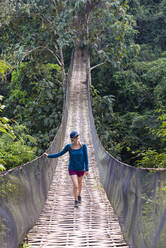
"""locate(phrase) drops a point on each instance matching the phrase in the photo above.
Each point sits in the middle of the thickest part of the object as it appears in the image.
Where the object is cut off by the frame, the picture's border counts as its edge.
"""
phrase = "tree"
(16, 145)
(50, 26)
(150, 23)
(150, 157)
(35, 99)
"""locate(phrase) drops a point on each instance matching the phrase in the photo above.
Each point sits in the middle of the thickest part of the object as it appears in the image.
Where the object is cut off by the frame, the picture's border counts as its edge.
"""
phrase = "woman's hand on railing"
(46, 154)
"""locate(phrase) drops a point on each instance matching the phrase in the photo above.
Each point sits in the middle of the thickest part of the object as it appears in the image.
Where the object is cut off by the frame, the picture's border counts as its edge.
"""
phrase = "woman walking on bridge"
(78, 163)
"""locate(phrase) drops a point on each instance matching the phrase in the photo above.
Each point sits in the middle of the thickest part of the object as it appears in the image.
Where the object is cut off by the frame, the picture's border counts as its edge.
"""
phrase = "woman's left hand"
(86, 173)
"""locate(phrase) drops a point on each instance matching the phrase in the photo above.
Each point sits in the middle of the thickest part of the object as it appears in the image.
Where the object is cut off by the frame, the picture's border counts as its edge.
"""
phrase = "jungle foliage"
(36, 42)
(16, 145)
(136, 123)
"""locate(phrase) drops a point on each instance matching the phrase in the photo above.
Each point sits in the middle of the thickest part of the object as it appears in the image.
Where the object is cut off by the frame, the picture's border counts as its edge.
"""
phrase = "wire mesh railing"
(138, 196)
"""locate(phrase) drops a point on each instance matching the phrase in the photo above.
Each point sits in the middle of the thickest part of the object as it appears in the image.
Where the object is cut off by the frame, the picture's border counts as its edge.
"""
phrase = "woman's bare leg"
(74, 179)
(80, 179)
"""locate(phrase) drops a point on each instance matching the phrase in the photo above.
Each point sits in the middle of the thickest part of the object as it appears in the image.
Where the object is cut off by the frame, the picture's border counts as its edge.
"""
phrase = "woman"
(78, 163)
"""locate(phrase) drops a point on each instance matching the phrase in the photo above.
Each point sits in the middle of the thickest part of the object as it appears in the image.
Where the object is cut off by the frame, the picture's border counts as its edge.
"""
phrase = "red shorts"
(78, 173)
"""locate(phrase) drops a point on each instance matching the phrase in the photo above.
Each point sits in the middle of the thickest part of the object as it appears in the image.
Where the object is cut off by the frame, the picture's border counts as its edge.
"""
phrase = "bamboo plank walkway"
(94, 223)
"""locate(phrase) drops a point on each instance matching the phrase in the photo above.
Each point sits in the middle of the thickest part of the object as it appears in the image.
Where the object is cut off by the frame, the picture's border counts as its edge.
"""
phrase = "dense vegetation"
(36, 41)
(136, 93)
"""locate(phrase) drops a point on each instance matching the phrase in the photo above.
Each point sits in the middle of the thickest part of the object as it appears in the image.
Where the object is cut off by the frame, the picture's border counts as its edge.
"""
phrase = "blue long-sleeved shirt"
(78, 159)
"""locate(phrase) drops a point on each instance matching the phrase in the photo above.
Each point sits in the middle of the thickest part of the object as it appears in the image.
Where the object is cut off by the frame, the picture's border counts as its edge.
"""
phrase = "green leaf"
(2, 168)
(3, 130)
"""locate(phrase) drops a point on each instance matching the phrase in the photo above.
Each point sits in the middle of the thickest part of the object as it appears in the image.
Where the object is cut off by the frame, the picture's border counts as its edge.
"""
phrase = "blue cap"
(73, 134)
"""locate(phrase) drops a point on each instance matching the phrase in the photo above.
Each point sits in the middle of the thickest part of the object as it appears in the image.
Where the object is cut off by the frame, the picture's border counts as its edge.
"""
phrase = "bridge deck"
(94, 223)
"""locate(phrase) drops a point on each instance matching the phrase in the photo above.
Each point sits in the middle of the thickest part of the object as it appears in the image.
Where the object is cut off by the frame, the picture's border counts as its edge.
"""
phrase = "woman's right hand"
(46, 154)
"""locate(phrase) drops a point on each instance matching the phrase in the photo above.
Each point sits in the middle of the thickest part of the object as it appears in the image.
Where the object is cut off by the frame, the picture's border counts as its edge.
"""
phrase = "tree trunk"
(62, 66)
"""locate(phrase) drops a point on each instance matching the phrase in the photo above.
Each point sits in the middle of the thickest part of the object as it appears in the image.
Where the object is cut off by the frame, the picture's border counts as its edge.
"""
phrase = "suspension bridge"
(122, 206)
